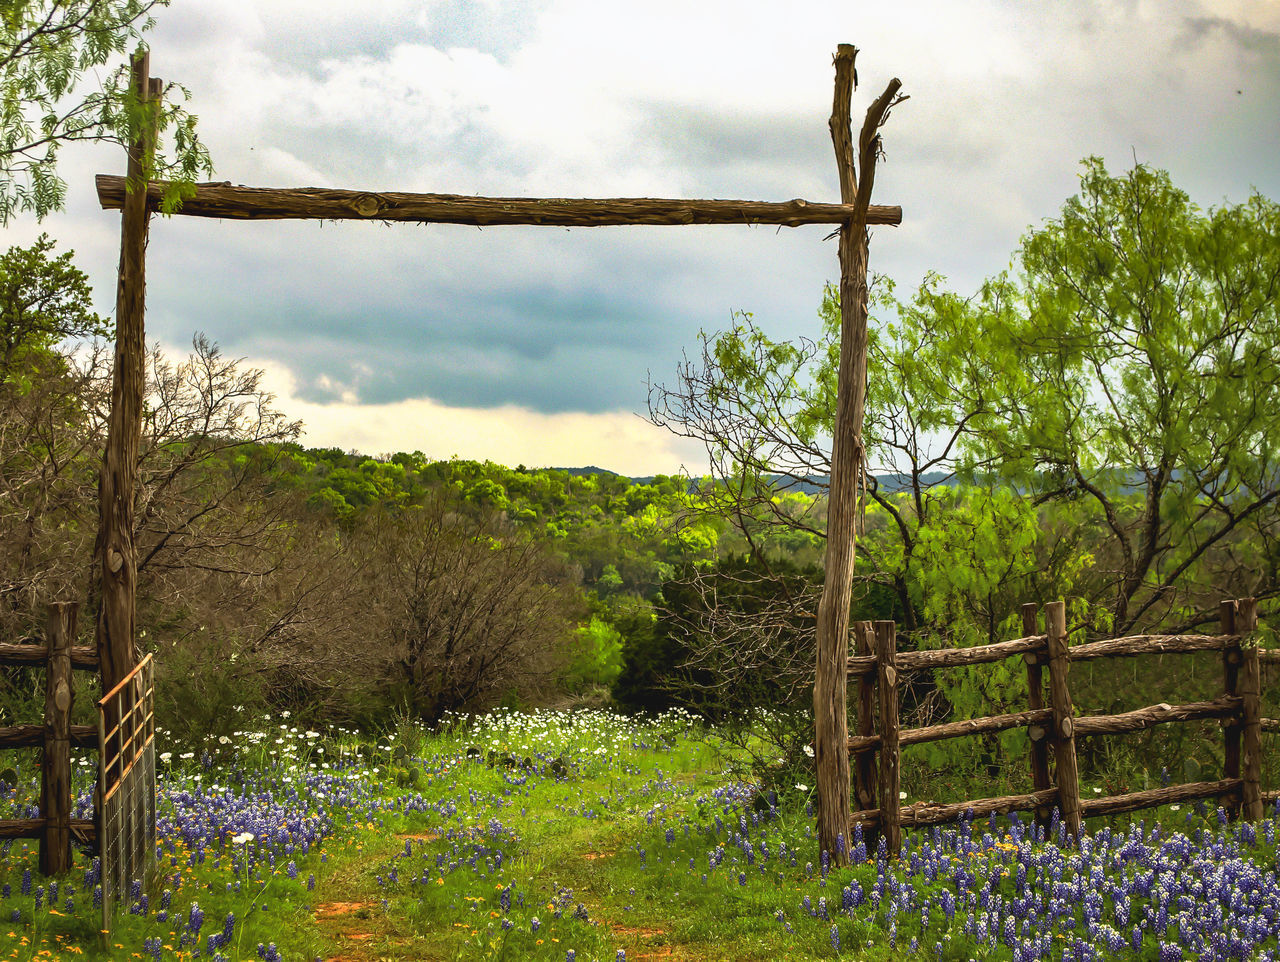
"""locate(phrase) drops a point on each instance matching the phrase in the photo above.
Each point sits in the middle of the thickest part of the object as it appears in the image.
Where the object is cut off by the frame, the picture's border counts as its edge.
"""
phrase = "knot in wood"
(366, 205)
(1036, 733)
(890, 676)
(62, 696)
(1067, 727)
(115, 560)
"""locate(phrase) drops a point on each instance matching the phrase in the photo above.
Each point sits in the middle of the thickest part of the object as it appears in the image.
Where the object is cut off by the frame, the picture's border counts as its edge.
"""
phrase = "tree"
(47, 47)
(466, 610)
(1138, 378)
(42, 301)
(1102, 424)
(1125, 379)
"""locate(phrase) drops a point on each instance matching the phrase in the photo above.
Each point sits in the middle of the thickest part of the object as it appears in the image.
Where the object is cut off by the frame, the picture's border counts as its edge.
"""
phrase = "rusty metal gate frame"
(126, 786)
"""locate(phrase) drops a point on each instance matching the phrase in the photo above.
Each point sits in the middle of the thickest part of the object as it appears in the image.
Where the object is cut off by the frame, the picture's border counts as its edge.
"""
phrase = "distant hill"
(816, 484)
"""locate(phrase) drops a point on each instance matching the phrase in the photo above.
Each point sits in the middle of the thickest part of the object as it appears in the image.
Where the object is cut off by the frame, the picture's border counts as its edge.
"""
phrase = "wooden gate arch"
(138, 198)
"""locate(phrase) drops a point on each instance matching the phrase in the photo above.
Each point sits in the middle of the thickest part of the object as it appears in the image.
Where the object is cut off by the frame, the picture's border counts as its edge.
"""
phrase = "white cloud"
(617, 440)
(583, 98)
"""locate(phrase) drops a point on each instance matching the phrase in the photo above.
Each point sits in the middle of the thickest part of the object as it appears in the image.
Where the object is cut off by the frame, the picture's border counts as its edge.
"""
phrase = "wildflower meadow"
(588, 836)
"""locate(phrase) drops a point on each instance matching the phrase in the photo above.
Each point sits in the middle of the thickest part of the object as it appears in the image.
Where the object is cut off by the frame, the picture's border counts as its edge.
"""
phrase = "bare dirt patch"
(329, 910)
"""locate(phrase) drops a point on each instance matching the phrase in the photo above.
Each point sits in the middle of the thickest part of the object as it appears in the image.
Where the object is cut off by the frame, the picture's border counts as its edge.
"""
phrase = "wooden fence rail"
(55, 827)
(1054, 727)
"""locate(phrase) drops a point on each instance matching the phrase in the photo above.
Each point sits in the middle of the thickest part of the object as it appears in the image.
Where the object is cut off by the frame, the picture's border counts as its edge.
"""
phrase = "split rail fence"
(55, 827)
(1053, 727)
(123, 828)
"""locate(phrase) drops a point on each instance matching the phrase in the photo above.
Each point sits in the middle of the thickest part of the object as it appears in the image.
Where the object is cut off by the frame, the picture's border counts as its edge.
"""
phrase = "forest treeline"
(1100, 423)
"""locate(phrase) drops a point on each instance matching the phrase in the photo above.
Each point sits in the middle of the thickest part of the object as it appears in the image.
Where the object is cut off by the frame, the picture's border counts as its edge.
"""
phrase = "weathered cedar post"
(55, 784)
(890, 751)
(1231, 658)
(865, 760)
(1035, 702)
(831, 726)
(1064, 732)
(1250, 712)
(117, 558)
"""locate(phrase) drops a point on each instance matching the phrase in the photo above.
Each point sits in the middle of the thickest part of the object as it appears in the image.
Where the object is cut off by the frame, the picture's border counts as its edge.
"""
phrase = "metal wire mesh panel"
(126, 787)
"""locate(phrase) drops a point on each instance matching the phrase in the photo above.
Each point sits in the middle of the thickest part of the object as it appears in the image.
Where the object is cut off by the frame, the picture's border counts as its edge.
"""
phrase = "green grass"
(448, 845)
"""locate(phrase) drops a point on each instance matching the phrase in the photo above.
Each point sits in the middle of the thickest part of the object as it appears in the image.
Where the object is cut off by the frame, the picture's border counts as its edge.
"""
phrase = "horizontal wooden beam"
(81, 656)
(954, 657)
(83, 829)
(32, 736)
(1149, 717)
(1269, 724)
(1191, 791)
(321, 203)
(1269, 654)
(958, 729)
(929, 813)
(1151, 645)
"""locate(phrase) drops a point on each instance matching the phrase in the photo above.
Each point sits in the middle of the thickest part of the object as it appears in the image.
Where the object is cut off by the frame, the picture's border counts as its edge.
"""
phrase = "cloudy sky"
(533, 345)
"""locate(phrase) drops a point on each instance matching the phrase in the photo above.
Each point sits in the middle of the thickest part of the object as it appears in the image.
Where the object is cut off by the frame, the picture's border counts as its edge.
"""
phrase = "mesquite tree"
(47, 47)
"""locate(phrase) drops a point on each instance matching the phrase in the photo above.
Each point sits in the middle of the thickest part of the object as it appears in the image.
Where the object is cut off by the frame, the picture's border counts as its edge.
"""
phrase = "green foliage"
(47, 49)
(43, 300)
(597, 658)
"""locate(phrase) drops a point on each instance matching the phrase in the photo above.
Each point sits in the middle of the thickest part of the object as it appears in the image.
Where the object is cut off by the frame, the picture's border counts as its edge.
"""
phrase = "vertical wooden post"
(55, 786)
(890, 752)
(830, 721)
(1251, 712)
(1064, 732)
(1231, 659)
(117, 559)
(865, 761)
(1035, 701)
(831, 727)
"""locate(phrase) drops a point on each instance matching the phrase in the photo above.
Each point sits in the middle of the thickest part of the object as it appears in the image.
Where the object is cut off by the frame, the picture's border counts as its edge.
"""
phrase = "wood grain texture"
(1152, 715)
(82, 829)
(1066, 771)
(55, 782)
(320, 203)
(82, 656)
(1191, 791)
(1250, 714)
(958, 729)
(1231, 659)
(1150, 645)
(32, 736)
(864, 761)
(831, 728)
(890, 753)
(1035, 702)
(116, 555)
(954, 657)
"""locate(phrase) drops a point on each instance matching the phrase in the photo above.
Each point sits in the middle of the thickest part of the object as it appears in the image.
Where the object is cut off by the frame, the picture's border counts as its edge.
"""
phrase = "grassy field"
(588, 836)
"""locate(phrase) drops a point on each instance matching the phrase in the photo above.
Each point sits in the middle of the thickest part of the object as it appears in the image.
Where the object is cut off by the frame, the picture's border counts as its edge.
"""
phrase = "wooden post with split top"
(831, 726)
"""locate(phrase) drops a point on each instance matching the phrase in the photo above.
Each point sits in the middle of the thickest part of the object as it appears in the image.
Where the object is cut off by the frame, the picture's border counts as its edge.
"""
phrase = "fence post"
(890, 759)
(1035, 701)
(55, 782)
(865, 760)
(1231, 658)
(1064, 732)
(1250, 712)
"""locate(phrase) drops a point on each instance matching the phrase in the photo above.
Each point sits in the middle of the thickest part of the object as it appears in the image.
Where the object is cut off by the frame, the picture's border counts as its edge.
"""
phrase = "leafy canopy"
(47, 48)
(43, 300)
